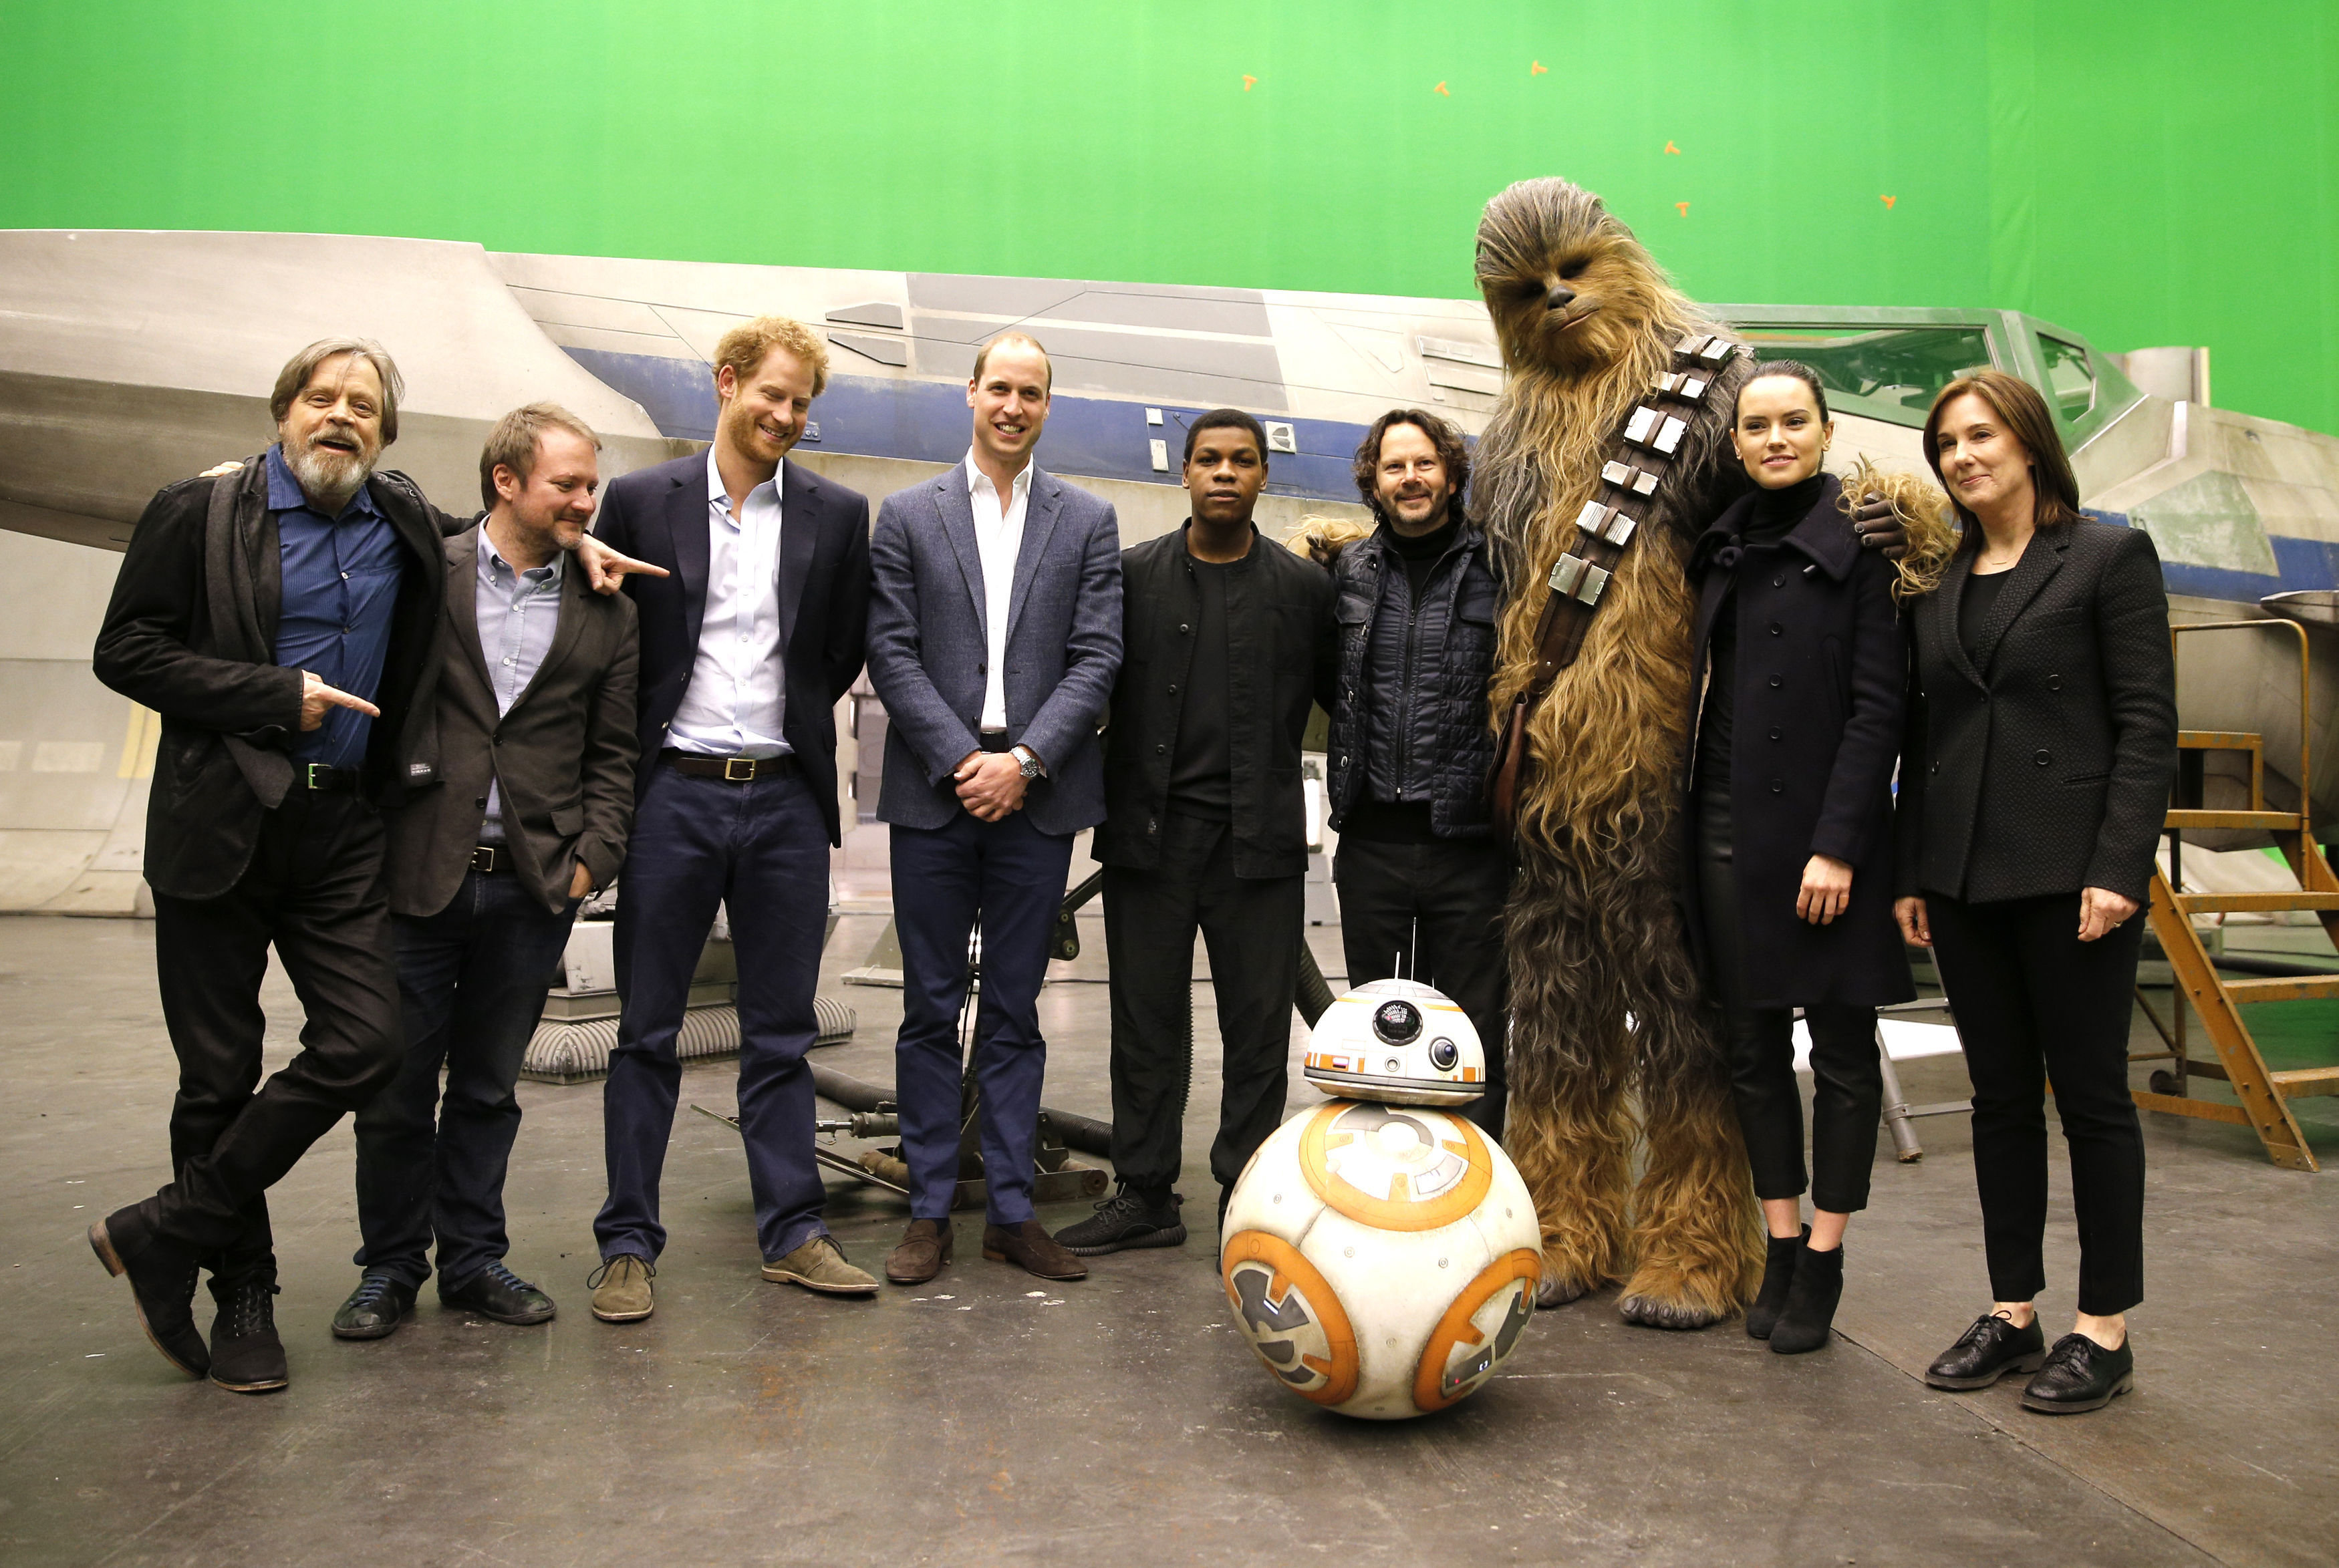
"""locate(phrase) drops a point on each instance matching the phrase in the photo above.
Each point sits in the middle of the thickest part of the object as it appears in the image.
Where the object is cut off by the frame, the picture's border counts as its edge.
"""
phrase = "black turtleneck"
(1774, 516)
(1420, 553)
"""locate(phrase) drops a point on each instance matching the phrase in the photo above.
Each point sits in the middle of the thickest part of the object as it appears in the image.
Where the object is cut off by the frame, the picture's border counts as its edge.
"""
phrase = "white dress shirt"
(998, 539)
(735, 700)
(517, 612)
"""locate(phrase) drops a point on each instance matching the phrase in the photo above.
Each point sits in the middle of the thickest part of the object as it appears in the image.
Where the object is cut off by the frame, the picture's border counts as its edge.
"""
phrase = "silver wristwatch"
(1027, 759)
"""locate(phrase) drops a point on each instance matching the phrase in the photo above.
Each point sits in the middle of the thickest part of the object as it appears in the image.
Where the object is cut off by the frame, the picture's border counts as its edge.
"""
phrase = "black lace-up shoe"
(497, 1294)
(2081, 1374)
(1129, 1219)
(1987, 1351)
(161, 1286)
(374, 1309)
(246, 1356)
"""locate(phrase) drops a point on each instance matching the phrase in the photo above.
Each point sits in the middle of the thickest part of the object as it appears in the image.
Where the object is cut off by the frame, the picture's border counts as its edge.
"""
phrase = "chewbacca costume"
(1587, 322)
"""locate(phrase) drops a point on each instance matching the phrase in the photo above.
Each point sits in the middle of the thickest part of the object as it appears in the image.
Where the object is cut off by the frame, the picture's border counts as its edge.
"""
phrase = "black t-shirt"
(1980, 598)
(1201, 768)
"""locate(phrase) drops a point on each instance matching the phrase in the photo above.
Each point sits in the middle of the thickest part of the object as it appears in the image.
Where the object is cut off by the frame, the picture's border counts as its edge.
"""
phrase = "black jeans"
(1448, 896)
(471, 980)
(2033, 1002)
(1252, 928)
(1847, 1076)
(315, 892)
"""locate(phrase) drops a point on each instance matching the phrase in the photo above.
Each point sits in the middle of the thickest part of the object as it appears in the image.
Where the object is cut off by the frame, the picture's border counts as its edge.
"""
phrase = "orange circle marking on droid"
(1289, 1274)
(1457, 1176)
(1522, 1269)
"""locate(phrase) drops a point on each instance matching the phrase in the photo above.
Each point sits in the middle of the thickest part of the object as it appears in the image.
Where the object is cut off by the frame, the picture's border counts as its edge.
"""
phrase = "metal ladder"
(2265, 1094)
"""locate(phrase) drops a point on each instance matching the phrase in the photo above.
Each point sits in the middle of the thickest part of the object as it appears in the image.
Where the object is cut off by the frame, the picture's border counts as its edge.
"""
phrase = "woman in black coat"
(1800, 652)
(2040, 747)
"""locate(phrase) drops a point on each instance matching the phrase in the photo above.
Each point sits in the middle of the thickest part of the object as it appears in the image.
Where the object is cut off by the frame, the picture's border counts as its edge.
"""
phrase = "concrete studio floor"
(1120, 1420)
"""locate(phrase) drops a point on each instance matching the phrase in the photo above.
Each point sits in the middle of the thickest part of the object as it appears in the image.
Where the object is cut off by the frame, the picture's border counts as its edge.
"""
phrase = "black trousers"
(431, 1168)
(1434, 912)
(2033, 1003)
(1847, 1076)
(315, 892)
(1252, 928)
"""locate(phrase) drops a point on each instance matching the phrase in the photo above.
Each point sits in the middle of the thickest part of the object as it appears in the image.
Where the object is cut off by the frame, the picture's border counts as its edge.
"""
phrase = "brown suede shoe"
(819, 1264)
(1030, 1247)
(925, 1248)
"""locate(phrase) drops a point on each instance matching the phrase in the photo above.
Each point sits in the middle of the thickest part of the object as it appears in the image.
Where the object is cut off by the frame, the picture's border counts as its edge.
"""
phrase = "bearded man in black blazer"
(745, 650)
(532, 742)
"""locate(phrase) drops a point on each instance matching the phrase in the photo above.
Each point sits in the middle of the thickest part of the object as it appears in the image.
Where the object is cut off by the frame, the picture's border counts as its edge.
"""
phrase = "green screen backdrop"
(2153, 172)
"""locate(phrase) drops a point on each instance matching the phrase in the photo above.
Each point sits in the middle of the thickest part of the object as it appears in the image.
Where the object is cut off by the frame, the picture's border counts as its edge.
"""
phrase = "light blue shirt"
(518, 612)
(735, 700)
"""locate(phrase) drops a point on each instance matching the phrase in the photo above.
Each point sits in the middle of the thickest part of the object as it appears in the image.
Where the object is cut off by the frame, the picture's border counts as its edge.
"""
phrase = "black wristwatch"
(1027, 759)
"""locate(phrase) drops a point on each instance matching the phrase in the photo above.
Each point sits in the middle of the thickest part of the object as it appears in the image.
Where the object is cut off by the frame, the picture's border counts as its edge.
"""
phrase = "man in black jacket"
(1421, 876)
(533, 744)
(282, 620)
(1205, 826)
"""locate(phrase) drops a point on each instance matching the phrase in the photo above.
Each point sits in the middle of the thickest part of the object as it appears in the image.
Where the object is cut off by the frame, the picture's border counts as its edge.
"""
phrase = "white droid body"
(1381, 1254)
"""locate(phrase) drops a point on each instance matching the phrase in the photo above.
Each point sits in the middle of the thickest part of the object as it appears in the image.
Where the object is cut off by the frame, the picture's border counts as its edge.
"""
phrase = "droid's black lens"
(1398, 1023)
(1444, 1053)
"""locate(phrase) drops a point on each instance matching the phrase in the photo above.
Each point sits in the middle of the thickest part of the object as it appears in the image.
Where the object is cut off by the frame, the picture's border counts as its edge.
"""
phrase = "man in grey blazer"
(994, 636)
(531, 744)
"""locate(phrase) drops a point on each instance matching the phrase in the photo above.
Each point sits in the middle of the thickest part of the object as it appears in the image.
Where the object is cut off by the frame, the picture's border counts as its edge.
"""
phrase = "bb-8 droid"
(1380, 1253)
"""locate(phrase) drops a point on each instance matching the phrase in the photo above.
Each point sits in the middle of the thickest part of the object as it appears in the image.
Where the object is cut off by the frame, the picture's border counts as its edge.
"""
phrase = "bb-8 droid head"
(1397, 1041)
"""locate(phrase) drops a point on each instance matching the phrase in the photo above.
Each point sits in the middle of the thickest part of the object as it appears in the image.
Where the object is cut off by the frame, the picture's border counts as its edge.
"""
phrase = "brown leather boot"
(1030, 1247)
(925, 1248)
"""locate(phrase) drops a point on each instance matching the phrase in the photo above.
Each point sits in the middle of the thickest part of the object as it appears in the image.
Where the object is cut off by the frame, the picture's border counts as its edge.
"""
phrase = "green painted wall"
(2160, 171)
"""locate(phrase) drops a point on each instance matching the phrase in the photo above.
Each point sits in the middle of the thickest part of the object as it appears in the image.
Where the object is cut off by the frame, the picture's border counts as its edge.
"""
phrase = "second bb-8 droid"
(1380, 1253)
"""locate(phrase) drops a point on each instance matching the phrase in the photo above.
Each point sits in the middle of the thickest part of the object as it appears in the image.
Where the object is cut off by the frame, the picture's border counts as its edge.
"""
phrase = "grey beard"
(328, 480)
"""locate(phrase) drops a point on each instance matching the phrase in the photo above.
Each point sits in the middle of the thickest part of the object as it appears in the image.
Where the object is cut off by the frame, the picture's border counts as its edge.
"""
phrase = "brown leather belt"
(730, 770)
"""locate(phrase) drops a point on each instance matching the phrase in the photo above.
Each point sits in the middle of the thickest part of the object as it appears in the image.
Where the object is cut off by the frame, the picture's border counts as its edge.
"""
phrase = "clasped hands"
(990, 785)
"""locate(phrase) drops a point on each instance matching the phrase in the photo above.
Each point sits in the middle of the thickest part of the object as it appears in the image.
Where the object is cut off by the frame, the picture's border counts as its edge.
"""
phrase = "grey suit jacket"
(563, 757)
(927, 648)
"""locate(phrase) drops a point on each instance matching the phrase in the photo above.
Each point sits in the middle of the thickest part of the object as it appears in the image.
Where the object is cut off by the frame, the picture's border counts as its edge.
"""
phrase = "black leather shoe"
(1778, 1273)
(1987, 1351)
(1126, 1219)
(161, 1286)
(374, 1309)
(497, 1294)
(2081, 1374)
(246, 1356)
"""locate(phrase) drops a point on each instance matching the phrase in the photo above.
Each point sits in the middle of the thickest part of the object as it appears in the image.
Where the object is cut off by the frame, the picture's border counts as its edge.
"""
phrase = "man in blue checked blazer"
(994, 636)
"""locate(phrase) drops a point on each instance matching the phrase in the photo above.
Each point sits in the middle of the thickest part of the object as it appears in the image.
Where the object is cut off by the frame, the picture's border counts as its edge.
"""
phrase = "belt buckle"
(483, 858)
(313, 769)
(738, 770)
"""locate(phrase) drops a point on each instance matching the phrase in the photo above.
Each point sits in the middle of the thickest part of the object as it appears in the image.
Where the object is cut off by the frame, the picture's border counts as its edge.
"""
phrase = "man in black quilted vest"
(1421, 875)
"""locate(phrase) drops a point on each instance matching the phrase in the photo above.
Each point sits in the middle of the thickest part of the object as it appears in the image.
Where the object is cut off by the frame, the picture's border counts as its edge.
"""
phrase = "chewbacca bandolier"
(1589, 325)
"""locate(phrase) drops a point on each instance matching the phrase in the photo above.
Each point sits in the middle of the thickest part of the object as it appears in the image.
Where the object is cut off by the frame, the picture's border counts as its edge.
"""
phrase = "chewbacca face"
(1569, 287)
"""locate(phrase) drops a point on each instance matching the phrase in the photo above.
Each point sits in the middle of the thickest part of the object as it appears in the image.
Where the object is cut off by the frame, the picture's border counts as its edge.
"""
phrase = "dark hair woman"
(1800, 650)
(2042, 741)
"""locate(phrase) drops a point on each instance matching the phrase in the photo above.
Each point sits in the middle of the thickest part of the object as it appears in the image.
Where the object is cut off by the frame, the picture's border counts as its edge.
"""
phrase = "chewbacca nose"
(1560, 297)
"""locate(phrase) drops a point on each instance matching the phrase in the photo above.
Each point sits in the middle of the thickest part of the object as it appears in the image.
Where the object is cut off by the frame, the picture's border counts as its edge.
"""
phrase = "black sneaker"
(161, 1286)
(1126, 1219)
(1987, 1351)
(2081, 1374)
(246, 1356)
(497, 1294)
(374, 1309)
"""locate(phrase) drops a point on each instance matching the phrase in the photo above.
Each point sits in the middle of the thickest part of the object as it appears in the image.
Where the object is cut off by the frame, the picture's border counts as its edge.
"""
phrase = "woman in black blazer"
(2041, 742)
(1800, 653)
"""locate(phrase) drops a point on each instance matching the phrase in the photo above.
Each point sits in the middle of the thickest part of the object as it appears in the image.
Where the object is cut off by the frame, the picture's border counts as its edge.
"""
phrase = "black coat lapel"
(2041, 559)
(685, 521)
(799, 537)
(1945, 601)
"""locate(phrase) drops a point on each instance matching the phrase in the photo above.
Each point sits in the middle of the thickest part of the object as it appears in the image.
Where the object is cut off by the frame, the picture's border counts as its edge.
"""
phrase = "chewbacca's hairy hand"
(1880, 526)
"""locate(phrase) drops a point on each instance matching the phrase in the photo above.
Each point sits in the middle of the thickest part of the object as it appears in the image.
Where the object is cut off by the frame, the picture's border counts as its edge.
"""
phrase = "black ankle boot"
(1810, 1311)
(247, 1356)
(1778, 1272)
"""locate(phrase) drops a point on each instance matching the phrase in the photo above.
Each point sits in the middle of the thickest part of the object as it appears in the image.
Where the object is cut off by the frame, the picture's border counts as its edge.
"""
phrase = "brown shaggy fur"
(1922, 510)
(1594, 934)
